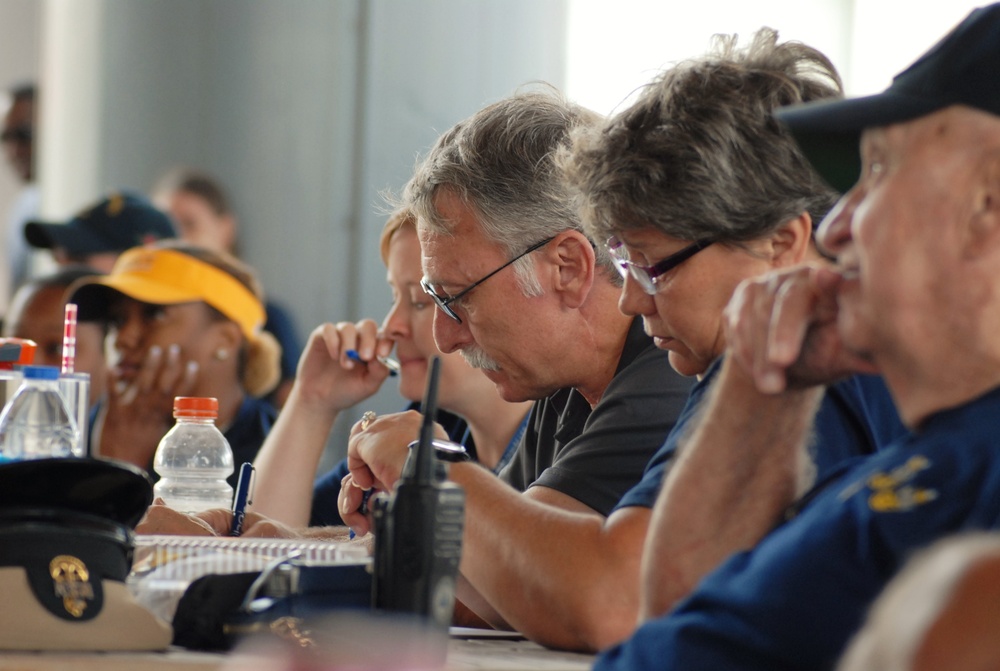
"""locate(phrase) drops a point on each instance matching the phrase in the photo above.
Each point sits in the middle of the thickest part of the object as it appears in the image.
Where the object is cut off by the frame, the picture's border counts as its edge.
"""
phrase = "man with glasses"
(527, 298)
(914, 293)
(688, 217)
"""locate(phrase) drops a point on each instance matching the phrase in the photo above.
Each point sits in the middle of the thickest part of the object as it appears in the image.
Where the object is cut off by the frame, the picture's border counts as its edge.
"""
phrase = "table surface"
(485, 654)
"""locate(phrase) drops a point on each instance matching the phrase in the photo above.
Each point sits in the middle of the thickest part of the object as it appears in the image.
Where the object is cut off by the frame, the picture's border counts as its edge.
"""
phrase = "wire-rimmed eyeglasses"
(647, 276)
(444, 302)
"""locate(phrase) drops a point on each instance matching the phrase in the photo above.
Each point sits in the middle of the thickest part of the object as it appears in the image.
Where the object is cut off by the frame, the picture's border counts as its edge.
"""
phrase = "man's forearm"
(736, 473)
(562, 577)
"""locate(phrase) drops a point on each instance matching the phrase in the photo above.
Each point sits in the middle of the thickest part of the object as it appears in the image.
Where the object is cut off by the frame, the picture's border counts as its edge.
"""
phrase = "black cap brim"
(73, 238)
(110, 490)
(829, 131)
(37, 233)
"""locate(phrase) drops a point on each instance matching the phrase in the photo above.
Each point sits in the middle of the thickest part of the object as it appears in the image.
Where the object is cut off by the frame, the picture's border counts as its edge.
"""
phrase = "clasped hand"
(375, 457)
(781, 328)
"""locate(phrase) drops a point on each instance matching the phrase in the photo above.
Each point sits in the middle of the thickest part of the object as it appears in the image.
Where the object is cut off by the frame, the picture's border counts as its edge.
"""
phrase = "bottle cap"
(16, 351)
(40, 372)
(196, 406)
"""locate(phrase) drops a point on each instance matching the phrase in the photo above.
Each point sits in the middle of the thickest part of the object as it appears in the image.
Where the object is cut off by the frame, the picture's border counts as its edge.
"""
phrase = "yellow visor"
(169, 277)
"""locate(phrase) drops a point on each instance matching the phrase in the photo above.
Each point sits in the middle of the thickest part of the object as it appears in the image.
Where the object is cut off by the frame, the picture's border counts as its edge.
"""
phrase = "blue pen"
(391, 364)
(363, 509)
(241, 498)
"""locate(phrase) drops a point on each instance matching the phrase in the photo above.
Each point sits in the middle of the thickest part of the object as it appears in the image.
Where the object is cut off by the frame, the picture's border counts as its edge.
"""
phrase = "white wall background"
(615, 47)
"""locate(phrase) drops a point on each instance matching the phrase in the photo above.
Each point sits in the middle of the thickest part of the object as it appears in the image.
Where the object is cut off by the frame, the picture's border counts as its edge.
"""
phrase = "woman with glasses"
(329, 381)
(696, 188)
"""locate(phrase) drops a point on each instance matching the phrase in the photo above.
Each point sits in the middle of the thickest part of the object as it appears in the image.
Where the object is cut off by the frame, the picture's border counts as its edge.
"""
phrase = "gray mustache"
(476, 358)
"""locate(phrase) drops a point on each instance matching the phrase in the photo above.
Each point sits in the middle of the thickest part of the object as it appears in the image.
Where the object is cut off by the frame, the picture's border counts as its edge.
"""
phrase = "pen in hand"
(391, 364)
(363, 508)
(241, 498)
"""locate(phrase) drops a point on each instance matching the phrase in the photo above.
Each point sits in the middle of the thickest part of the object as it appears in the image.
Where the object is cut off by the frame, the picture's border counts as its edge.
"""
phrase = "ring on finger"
(367, 419)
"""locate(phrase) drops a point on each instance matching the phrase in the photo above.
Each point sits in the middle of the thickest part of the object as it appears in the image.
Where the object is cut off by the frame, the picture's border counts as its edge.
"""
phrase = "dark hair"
(499, 162)
(699, 154)
(199, 184)
(60, 279)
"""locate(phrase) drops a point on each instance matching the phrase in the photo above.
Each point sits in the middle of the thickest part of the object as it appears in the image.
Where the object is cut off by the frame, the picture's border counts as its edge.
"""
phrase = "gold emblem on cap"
(115, 204)
(291, 629)
(70, 580)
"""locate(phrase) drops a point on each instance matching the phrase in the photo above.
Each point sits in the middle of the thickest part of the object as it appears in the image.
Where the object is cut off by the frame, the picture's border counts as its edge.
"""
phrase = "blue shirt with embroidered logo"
(793, 602)
(857, 417)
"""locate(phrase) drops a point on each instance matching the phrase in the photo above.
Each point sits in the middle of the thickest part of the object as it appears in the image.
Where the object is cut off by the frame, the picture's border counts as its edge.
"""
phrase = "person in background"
(938, 613)
(99, 233)
(183, 321)
(914, 295)
(204, 216)
(37, 312)
(329, 382)
(17, 135)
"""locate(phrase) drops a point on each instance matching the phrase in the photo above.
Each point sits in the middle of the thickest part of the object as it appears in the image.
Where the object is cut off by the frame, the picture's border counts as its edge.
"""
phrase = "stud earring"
(221, 354)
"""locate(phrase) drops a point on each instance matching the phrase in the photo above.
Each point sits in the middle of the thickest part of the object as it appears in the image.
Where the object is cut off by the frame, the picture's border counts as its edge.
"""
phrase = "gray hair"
(699, 154)
(499, 162)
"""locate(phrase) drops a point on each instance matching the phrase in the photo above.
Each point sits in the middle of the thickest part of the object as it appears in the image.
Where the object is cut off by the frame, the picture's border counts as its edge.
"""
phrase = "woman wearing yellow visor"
(183, 321)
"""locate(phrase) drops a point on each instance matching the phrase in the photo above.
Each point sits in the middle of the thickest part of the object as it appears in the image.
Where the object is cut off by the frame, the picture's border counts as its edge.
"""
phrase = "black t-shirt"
(596, 455)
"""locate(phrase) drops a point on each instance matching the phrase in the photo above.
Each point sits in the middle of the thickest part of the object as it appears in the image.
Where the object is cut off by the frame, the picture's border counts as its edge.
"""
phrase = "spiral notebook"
(164, 566)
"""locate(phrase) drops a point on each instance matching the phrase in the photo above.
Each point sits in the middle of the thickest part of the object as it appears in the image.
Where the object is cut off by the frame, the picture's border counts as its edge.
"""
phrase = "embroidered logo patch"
(893, 492)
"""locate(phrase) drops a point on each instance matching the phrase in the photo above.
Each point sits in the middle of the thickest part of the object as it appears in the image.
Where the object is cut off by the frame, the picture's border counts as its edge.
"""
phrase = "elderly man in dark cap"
(914, 294)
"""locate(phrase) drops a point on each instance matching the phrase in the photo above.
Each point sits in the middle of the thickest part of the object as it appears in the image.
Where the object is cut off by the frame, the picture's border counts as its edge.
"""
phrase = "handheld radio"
(418, 530)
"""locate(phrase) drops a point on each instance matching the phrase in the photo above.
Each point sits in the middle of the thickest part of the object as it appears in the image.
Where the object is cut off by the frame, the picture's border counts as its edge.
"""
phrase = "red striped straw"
(69, 339)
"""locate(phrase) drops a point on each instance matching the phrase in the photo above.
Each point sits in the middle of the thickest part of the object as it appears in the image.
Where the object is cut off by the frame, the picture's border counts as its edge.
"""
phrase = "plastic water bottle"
(194, 459)
(36, 423)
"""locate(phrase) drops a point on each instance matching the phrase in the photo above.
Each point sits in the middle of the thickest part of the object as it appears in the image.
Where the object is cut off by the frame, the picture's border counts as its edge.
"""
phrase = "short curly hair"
(699, 155)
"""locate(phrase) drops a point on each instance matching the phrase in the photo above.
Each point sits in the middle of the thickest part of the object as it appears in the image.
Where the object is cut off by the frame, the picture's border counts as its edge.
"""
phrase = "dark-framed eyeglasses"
(444, 301)
(647, 276)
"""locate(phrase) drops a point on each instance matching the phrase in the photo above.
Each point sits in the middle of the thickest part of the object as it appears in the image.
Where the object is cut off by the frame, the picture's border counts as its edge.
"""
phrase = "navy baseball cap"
(119, 222)
(962, 69)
